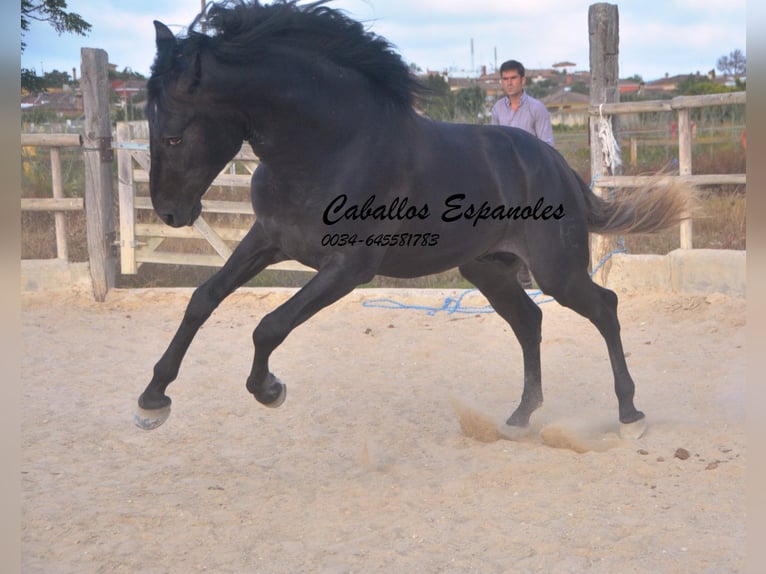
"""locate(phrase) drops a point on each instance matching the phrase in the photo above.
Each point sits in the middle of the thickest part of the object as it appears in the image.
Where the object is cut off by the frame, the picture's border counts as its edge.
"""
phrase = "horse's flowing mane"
(237, 30)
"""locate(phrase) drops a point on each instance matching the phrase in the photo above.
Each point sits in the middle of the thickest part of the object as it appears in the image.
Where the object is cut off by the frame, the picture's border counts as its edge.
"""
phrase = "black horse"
(354, 183)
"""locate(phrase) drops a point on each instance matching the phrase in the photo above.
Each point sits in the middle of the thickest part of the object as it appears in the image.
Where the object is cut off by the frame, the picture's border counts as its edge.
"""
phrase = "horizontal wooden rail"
(161, 230)
(148, 255)
(52, 204)
(677, 103)
(208, 205)
(223, 179)
(641, 180)
(51, 140)
(245, 152)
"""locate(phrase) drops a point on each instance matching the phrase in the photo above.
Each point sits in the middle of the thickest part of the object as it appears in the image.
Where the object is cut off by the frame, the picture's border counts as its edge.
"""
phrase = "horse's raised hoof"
(634, 430)
(276, 403)
(274, 394)
(147, 419)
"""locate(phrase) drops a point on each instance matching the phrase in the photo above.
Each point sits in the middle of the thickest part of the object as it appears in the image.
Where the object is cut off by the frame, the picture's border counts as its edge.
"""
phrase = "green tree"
(126, 74)
(581, 87)
(31, 82)
(469, 104)
(540, 89)
(700, 85)
(437, 103)
(56, 79)
(55, 13)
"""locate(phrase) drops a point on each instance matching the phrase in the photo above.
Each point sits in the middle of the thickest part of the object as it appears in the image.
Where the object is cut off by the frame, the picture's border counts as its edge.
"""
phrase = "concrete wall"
(55, 275)
(688, 271)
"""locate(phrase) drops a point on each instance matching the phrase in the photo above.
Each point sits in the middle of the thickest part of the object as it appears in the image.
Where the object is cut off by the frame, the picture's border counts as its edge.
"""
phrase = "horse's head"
(192, 134)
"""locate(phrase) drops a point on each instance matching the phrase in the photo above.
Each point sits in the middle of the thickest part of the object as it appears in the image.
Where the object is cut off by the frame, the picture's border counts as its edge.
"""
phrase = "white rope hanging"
(610, 149)
(610, 153)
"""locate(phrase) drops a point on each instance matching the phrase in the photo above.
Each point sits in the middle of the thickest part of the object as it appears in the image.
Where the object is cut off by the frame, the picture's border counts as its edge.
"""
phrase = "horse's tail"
(658, 205)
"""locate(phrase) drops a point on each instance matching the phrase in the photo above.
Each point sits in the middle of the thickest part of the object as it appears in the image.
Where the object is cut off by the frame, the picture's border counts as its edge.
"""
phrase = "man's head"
(512, 78)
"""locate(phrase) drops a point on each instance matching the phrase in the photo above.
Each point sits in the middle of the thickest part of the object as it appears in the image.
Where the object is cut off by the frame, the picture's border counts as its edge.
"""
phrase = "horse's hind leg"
(497, 280)
(578, 292)
(250, 257)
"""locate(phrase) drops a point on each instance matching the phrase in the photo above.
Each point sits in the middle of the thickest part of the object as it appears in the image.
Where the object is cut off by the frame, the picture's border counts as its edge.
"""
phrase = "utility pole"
(203, 19)
(473, 67)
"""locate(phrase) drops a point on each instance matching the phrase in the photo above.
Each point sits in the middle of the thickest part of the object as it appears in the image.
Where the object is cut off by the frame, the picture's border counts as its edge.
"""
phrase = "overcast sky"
(657, 37)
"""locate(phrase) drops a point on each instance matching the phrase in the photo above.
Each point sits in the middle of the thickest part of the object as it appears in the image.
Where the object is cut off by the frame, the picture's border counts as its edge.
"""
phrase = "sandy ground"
(385, 456)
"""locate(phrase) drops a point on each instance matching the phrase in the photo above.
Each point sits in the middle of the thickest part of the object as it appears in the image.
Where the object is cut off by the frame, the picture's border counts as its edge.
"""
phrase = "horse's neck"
(294, 113)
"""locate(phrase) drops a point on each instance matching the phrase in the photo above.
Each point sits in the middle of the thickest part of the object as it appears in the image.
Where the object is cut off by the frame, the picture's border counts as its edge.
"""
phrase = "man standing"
(520, 110)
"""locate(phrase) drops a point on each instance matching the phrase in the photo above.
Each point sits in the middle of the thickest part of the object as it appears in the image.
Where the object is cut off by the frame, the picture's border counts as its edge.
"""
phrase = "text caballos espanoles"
(455, 209)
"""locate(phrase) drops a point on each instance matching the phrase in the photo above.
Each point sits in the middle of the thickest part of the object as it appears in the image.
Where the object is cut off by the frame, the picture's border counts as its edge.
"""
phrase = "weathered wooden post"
(604, 38)
(126, 195)
(633, 151)
(62, 250)
(97, 151)
(685, 167)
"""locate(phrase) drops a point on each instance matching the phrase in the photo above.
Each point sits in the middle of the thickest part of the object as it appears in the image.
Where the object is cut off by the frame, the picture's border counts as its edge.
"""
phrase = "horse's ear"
(165, 38)
(166, 47)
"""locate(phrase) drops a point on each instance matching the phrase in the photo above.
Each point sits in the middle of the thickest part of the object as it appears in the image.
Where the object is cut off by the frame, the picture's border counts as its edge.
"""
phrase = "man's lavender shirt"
(531, 116)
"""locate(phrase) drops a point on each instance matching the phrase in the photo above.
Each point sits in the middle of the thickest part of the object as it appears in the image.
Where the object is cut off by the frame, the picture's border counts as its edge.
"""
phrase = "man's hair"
(512, 65)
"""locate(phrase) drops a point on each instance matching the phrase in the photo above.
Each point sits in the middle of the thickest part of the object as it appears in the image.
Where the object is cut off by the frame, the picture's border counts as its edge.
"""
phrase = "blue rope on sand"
(452, 305)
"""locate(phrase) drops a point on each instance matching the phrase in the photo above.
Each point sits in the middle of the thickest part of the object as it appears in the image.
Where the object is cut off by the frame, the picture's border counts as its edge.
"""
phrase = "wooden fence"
(96, 146)
(682, 105)
(603, 29)
(141, 239)
(58, 204)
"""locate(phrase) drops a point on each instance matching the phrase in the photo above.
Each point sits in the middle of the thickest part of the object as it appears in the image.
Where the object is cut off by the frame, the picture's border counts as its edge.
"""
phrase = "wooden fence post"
(62, 250)
(604, 39)
(126, 194)
(685, 168)
(97, 151)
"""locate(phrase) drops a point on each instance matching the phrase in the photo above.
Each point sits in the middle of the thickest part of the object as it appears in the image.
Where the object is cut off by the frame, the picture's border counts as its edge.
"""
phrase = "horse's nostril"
(167, 218)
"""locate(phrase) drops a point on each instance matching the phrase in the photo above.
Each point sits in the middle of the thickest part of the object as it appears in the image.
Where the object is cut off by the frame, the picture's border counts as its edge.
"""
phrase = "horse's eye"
(174, 141)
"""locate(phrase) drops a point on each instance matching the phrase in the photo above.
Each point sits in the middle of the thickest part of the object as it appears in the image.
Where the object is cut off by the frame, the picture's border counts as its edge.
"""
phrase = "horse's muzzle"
(180, 217)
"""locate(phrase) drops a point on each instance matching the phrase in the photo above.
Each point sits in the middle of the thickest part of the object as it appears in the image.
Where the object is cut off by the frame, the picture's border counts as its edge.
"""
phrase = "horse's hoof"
(150, 419)
(634, 430)
(270, 393)
(276, 403)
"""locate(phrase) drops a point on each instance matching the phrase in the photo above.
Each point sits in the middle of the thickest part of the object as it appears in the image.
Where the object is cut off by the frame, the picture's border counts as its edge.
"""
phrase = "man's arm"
(543, 127)
(495, 116)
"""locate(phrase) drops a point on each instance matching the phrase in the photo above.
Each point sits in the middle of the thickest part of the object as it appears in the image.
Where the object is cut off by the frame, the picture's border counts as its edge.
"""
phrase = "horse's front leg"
(332, 282)
(252, 255)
